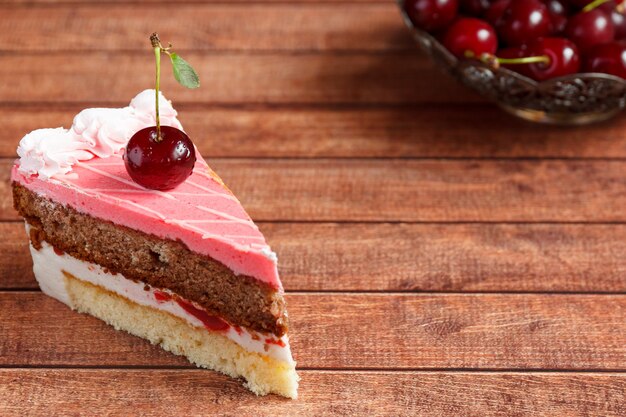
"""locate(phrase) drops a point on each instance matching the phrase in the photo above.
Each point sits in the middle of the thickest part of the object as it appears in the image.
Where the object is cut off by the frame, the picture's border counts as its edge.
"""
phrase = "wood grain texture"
(41, 392)
(383, 331)
(232, 78)
(410, 257)
(416, 190)
(260, 27)
(419, 131)
(57, 3)
(288, 81)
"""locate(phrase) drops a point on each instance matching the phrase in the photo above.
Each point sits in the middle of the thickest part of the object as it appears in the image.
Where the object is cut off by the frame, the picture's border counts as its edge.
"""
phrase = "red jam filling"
(161, 296)
(209, 321)
(278, 342)
(58, 251)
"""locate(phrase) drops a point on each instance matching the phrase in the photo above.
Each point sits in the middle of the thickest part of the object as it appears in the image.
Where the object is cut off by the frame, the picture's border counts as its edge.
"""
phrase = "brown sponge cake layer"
(161, 263)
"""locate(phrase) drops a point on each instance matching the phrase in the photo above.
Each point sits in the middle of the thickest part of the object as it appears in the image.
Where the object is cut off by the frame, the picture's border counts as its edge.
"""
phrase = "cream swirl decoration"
(98, 132)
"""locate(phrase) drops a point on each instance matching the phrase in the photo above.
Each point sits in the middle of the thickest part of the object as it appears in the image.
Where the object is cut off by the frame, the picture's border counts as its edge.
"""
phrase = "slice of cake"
(186, 268)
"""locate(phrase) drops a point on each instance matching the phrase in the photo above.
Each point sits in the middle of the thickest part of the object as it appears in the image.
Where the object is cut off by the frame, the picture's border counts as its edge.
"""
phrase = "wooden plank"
(413, 257)
(417, 190)
(16, 267)
(42, 392)
(420, 131)
(383, 331)
(231, 78)
(56, 3)
(265, 27)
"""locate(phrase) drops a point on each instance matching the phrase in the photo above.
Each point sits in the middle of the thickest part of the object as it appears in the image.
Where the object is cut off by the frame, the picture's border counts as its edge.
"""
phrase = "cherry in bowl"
(559, 14)
(475, 8)
(496, 12)
(562, 55)
(609, 58)
(524, 21)
(589, 28)
(431, 15)
(469, 37)
(617, 11)
(159, 163)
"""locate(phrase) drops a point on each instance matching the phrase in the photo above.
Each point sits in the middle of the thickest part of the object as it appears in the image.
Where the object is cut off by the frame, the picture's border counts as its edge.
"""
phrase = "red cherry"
(609, 58)
(495, 12)
(558, 7)
(524, 21)
(563, 58)
(616, 11)
(579, 4)
(587, 29)
(619, 24)
(475, 7)
(159, 165)
(469, 37)
(558, 23)
(559, 11)
(431, 15)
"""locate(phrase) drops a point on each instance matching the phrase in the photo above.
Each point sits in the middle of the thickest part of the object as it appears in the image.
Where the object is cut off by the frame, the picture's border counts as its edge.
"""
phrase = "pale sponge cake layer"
(263, 375)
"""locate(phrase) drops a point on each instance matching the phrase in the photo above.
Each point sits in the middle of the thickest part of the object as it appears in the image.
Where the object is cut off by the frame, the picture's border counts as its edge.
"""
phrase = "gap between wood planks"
(396, 292)
(55, 3)
(424, 371)
(417, 222)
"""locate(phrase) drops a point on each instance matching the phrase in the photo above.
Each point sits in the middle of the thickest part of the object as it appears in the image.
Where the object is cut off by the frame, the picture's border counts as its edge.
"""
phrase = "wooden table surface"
(440, 257)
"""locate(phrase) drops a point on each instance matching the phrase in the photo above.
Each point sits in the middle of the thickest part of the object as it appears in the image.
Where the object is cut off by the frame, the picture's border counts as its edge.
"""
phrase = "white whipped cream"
(49, 152)
(97, 132)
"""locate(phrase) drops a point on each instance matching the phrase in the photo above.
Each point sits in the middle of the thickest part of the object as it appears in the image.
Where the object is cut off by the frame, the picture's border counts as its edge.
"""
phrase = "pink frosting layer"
(201, 212)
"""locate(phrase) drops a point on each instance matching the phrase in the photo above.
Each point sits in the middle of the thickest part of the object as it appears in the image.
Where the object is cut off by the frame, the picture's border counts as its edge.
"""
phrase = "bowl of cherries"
(552, 61)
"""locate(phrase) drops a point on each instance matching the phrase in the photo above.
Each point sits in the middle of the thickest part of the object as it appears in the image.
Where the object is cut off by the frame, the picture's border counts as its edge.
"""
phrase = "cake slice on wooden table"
(179, 263)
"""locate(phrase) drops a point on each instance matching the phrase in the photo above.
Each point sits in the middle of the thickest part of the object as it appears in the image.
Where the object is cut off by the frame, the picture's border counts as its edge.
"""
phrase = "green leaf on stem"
(183, 72)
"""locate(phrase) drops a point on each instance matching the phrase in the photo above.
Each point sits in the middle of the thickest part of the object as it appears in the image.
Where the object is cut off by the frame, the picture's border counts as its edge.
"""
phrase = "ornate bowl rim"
(573, 99)
(424, 37)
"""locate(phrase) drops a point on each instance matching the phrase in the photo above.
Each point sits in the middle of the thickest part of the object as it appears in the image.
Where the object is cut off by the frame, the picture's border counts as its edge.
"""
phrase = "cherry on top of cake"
(162, 157)
(156, 157)
(136, 167)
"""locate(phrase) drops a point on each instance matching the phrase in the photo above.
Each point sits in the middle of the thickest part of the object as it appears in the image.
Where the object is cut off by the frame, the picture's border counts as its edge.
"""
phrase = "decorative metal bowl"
(571, 100)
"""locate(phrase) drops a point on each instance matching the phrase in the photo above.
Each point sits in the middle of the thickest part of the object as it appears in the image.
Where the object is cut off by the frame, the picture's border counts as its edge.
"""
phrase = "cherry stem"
(156, 44)
(495, 61)
(593, 5)
(544, 59)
